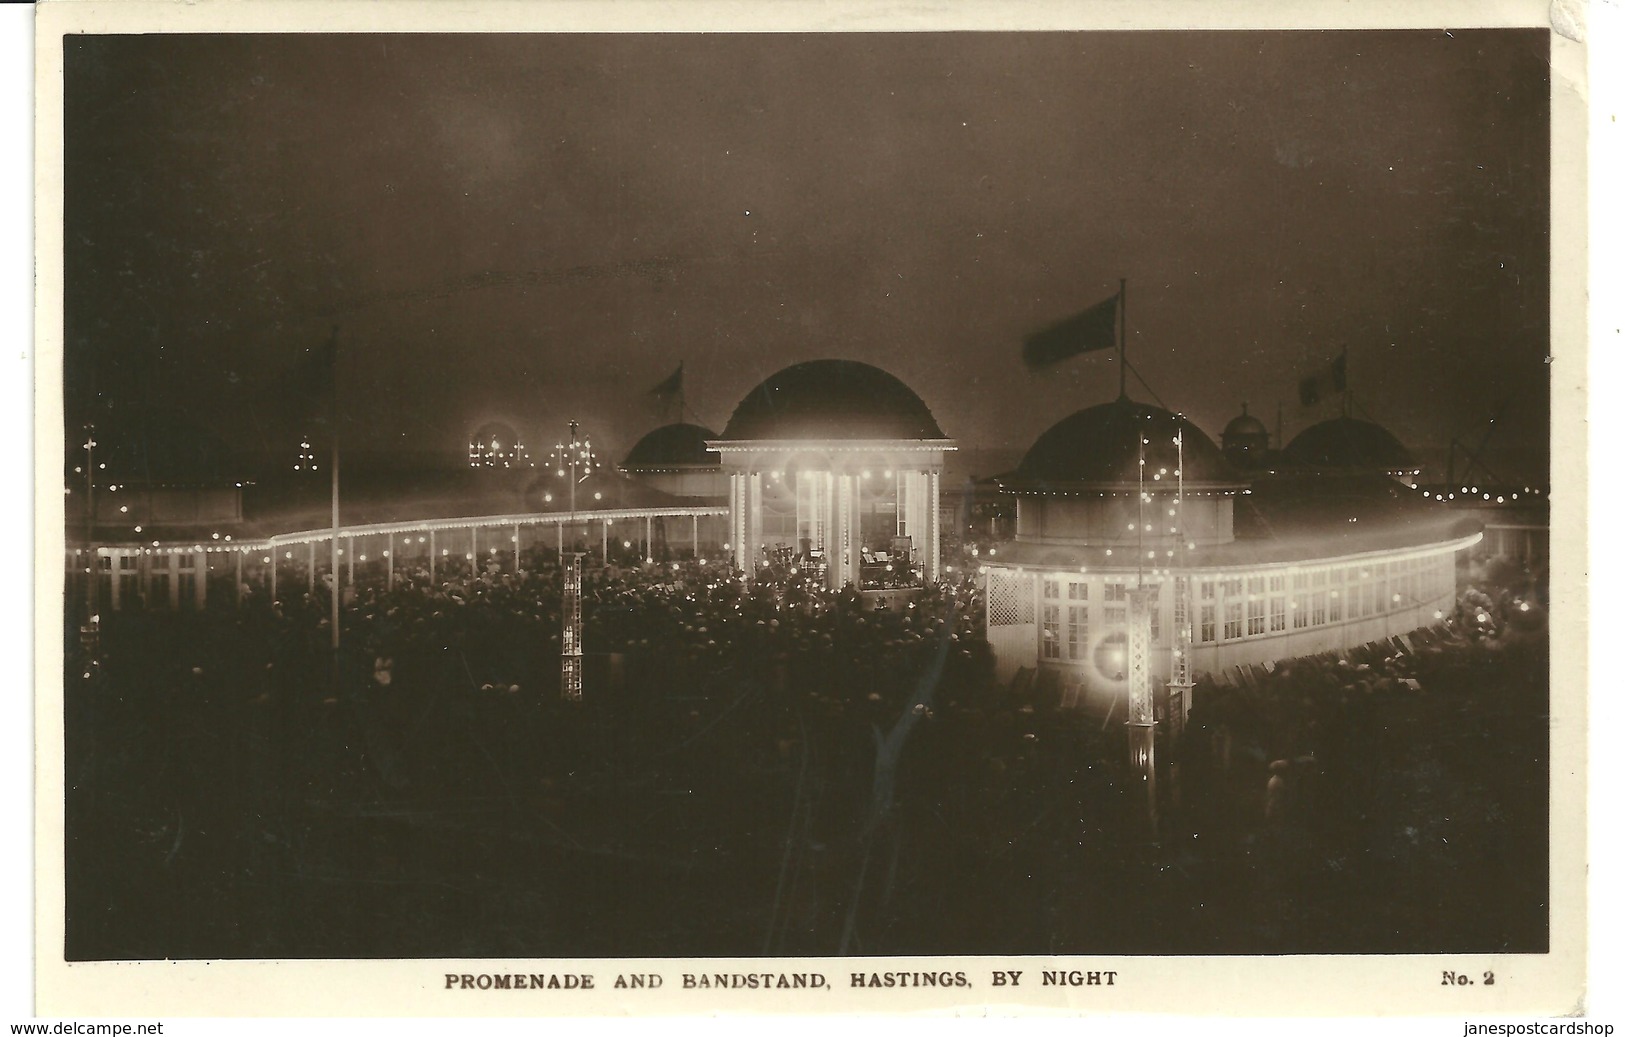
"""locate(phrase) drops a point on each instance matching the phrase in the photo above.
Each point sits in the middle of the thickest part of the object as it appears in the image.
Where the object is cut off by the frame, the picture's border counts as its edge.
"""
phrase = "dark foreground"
(229, 795)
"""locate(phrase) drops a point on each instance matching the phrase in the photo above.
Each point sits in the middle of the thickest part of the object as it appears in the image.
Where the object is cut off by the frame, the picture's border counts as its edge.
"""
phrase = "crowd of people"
(772, 751)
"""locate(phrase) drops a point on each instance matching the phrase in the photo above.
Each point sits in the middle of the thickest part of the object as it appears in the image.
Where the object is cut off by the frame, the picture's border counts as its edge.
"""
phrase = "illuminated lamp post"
(1179, 684)
(1142, 725)
(1142, 719)
(93, 589)
(574, 461)
(570, 645)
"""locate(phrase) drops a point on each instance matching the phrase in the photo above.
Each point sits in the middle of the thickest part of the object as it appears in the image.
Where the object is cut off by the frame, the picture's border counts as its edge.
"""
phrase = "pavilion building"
(838, 465)
(1238, 568)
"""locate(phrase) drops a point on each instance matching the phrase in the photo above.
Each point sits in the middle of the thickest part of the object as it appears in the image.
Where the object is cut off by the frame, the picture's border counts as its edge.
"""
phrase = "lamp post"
(575, 461)
(93, 588)
(1142, 724)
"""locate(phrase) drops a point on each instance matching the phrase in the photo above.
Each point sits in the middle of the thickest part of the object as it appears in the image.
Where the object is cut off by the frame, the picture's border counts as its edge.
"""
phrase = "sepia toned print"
(722, 519)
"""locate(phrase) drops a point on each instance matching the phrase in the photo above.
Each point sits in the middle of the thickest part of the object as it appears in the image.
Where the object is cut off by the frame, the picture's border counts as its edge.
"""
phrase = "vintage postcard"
(603, 509)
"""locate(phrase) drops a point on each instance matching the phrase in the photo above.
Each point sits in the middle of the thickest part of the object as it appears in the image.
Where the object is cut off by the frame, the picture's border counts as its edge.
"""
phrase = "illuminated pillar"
(310, 577)
(560, 528)
(603, 551)
(736, 518)
(1142, 726)
(200, 578)
(271, 550)
(897, 501)
(431, 556)
(843, 545)
(911, 512)
(648, 537)
(474, 546)
(239, 576)
(350, 554)
(389, 563)
(694, 534)
(933, 525)
(817, 503)
(114, 562)
(753, 515)
(516, 548)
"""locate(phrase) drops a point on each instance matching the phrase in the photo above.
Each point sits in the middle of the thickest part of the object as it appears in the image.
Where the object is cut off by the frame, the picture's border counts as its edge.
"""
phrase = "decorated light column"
(1142, 725)
(570, 643)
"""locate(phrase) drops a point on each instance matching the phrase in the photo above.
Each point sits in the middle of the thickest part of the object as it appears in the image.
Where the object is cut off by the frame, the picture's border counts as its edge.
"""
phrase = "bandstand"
(835, 465)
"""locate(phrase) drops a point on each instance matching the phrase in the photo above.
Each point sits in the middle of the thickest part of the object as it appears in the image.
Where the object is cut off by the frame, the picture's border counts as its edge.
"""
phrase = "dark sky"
(532, 228)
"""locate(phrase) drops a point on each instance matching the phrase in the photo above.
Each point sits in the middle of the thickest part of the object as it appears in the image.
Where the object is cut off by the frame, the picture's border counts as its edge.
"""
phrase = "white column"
(694, 534)
(389, 561)
(113, 562)
(802, 518)
(648, 537)
(200, 578)
(753, 515)
(349, 553)
(736, 517)
(310, 577)
(822, 485)
(897, 499)
(933, 523)
(843, 544)
(431, 556)
(604, 550)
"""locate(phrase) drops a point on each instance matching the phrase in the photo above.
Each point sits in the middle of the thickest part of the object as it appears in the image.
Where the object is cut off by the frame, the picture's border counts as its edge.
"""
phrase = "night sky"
(531, 228)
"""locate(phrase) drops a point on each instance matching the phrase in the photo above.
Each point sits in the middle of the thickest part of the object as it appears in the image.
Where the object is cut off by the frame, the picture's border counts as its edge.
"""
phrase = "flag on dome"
(1086, 332)
(672, 385)
(1331, 379)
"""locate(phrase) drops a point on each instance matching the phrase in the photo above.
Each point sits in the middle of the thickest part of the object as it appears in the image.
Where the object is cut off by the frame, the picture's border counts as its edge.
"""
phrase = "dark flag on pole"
(1086, 332)
(1331, 379)
(672, 386)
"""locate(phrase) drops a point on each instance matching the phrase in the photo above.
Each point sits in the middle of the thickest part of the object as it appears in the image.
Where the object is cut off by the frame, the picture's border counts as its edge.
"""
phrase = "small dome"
(1350, 444)
(1244, 427)
(1099, 446)
(680, 445)
(832, 399)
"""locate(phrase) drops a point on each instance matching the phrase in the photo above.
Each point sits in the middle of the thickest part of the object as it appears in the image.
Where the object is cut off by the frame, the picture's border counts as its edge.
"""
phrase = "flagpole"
(333, 425)
(1122, 337)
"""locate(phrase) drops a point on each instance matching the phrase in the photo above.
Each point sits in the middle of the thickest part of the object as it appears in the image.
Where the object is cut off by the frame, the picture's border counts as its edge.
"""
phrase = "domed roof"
(679, 445)
(1244, 425)
(1350, 444)
(832, 399)
(1100, 446)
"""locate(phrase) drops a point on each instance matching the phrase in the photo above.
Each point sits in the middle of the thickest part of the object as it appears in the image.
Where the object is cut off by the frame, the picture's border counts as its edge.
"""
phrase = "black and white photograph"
(816, 509)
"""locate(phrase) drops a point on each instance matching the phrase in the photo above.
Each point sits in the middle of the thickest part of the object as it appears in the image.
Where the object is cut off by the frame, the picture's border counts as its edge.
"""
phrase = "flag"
(1086, 332)
(1331, 379)
(672, 386)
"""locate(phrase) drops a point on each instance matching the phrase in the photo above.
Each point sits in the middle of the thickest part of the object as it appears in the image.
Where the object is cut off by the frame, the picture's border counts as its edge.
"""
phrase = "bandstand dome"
(1351, 444)
(832, 399)
(1099, 446)
(679, 445)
